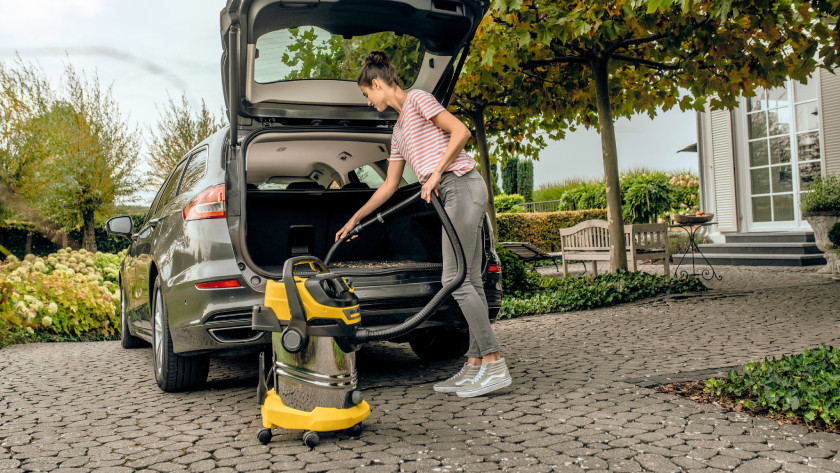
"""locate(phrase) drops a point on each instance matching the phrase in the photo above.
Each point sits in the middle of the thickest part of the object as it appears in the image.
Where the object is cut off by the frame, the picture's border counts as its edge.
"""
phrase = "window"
(171, 185)
(309, 52)
(369, 175)
(784, 152)
(196, 169)
(374, 174)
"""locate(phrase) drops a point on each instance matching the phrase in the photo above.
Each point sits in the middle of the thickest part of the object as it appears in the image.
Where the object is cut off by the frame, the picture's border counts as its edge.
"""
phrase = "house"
(756, 160)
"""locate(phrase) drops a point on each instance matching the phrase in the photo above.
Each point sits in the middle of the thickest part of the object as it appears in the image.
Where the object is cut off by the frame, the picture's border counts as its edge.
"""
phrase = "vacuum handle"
(295, 336)
(379, 218)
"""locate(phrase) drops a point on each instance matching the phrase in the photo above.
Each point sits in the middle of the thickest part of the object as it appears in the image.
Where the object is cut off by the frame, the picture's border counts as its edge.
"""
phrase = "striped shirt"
(419, 141)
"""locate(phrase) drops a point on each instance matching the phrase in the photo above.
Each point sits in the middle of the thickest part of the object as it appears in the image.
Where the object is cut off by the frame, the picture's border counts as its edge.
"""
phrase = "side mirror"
(120, 226)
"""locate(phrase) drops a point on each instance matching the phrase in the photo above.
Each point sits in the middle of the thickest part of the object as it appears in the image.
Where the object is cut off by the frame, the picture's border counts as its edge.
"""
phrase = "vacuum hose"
(365, 335)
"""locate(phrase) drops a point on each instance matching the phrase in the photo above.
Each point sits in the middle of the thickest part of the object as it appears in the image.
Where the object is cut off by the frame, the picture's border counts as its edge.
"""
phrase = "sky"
(151, 50)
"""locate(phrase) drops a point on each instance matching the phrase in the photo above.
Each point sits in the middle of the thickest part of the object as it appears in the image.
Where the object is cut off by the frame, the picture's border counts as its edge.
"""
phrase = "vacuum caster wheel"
(355, 431)
(264, 436)
(310, 439)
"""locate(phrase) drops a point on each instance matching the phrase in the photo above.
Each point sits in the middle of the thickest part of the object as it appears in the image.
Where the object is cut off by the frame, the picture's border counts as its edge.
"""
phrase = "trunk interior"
(284, 223)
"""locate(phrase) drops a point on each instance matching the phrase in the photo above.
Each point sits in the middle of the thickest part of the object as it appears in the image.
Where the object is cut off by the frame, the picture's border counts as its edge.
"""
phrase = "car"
(302, 153)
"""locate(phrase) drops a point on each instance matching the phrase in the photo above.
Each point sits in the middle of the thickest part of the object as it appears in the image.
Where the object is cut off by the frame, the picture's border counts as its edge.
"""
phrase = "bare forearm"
(378, 198)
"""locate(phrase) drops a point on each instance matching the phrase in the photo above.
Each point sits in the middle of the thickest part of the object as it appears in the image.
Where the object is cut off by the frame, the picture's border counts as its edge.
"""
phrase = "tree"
(525, 179)
(600, 59)
(509, 180)
(176, 133)
(69, 154)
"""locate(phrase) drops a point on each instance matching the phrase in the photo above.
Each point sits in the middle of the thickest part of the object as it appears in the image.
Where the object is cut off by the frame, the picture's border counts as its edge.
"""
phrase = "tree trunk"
(618, 252)
(477, 117)
(89, 233)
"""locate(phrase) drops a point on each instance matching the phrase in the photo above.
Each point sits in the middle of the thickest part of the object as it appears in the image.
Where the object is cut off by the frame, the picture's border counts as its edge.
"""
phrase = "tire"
(172, 372)
(437, 345)
(127, 340)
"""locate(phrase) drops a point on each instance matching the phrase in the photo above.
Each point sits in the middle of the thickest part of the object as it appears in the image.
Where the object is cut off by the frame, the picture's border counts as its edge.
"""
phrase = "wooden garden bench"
(529, 253)
(590, 241)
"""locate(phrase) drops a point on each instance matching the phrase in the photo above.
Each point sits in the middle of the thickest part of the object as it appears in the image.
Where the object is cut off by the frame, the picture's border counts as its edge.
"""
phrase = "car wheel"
(435, 345)
(173, 372)
(127, 340)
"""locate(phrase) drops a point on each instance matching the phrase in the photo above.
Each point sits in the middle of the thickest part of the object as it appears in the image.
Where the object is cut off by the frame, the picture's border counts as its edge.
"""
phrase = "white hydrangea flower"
(83, 251)
(52, 308)
(46, 321)
(40, 266)
(29, 330)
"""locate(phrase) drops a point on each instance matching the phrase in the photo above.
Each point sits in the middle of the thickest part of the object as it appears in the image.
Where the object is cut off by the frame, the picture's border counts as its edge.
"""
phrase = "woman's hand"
(430, 186)
(350, 225)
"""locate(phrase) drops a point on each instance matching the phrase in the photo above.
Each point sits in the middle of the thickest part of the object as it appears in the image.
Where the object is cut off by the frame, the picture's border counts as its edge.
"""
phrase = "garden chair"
(529, 253)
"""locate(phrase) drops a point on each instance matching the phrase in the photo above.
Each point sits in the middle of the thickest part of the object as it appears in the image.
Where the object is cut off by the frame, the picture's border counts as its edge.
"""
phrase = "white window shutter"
(830, 107)
(723, 169)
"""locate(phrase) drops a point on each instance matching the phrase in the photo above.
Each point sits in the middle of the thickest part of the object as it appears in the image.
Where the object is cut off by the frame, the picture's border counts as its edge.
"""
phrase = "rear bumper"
(229, 329)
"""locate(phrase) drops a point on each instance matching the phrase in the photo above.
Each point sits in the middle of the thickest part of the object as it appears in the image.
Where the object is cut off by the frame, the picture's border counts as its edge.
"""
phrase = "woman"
(432, 141)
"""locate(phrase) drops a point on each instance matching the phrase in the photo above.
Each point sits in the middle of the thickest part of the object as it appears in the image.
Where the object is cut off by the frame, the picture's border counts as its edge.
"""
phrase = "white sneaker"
(493, 375)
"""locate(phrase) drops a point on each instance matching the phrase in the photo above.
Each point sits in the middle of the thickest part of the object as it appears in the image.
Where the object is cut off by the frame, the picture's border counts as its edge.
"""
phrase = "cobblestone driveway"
(577, 402)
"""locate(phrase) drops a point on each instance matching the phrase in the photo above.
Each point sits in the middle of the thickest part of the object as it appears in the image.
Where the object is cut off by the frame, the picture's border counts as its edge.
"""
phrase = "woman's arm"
(459, 135)
(385, 191)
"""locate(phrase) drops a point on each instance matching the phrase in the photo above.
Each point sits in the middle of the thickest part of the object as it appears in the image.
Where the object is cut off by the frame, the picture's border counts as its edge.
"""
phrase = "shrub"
(585, 196)
(509, 181)
(525, 179)
(515, 277)
(69, 292)
(584, 293)
(824, 196)
(645, 197)
(807, 384)
(542, 228)
(13, 236)
(508, 203)
(834, 235)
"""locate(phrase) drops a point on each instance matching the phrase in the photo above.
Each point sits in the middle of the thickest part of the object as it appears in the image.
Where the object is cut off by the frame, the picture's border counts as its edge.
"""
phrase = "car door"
(270, 45)
(144, 246)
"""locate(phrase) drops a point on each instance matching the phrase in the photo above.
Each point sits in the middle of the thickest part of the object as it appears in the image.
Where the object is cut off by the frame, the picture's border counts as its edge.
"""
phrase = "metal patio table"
(691, 230)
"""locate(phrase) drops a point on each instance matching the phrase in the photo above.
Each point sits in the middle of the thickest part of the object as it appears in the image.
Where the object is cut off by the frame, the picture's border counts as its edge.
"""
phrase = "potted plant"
(821, 208)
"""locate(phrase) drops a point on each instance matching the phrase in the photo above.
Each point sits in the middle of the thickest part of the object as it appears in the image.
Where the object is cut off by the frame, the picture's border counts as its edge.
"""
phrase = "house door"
(783, 128)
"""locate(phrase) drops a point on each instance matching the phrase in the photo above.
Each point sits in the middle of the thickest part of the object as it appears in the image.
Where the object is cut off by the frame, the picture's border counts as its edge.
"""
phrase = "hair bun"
(377, 58)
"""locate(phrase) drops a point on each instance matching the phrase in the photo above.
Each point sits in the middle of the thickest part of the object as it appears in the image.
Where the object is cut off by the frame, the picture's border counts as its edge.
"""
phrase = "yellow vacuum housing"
(312, 315)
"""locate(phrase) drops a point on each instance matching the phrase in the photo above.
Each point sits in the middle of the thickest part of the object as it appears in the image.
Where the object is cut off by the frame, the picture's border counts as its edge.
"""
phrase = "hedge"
(13, 237)
(542, 228)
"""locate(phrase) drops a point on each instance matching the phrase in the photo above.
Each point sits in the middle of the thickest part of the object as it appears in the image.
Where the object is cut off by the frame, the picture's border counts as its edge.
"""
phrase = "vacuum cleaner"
(316, 327)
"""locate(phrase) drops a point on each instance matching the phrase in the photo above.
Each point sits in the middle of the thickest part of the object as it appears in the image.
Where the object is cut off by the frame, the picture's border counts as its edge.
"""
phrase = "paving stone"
(759, 465)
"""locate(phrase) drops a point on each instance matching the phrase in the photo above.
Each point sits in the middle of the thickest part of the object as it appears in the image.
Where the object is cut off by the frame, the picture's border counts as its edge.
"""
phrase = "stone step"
(724, 259)
(771, 237)
(761, 248)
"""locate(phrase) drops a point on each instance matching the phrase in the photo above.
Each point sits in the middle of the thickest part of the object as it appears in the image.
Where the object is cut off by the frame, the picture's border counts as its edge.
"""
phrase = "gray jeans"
(465, 199)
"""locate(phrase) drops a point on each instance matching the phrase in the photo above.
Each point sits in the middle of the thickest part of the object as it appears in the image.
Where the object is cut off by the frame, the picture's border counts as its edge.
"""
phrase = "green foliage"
(542, 228)
(70, 153)
(807, 384)
(584, 293)
(823, 195)
(587, 195)
(515, 277)
(646, 194)
(509, 180)
(508, 203)
(13, 237)
(72, 293)
(834, 235)
(176, 133)
(645, 197)
(525, 179)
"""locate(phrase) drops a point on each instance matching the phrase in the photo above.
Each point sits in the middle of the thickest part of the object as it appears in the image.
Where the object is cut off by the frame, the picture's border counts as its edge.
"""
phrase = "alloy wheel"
(158, 338)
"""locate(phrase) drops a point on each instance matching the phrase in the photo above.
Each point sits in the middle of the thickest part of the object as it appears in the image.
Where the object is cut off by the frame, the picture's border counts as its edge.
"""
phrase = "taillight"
(210, 203)
(219, 284)
(494, 269)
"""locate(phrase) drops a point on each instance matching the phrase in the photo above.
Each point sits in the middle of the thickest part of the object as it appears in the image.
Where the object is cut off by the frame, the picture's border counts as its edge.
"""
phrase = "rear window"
(309, 52)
